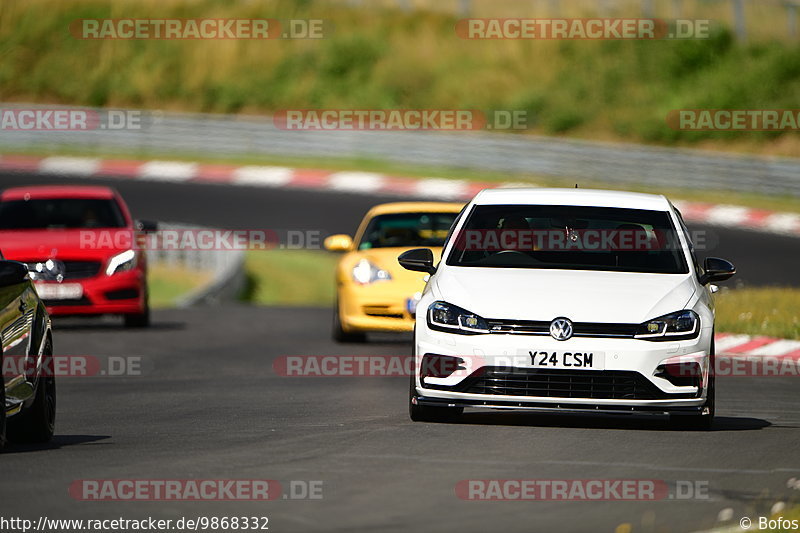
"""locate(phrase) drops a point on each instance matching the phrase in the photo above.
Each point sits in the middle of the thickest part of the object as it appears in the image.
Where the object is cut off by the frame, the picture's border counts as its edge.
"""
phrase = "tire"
(36, 424)
(427, 413)
(139, 320)
(701, 422)
(339, 334)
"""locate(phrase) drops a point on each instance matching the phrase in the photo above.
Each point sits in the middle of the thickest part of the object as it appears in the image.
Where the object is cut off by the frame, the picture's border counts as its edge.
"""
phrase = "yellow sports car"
(374, 293)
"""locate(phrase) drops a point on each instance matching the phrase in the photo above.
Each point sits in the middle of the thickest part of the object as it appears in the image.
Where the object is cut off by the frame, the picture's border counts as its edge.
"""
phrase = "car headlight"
(674, 326)
(121, 262)
(365, 273)
(443, 316)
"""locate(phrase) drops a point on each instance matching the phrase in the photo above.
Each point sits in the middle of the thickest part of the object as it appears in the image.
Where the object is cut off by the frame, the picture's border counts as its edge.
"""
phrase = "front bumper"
(496, 373)
(121, 293)
(382, 306)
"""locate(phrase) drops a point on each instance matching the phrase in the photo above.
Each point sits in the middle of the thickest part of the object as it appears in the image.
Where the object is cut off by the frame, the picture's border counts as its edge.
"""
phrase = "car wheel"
(704, 421)
(339, 334)
(139, 320)
(37, 423)
(428, 413)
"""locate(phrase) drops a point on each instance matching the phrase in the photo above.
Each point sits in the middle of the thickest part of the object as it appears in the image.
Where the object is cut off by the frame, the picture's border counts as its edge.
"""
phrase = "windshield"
(401, 230)
(569, 237)
(60, 213)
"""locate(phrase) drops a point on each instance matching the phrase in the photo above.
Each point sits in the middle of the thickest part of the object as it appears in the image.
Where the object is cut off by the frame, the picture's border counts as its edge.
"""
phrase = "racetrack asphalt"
(760, 258)
(209, 405)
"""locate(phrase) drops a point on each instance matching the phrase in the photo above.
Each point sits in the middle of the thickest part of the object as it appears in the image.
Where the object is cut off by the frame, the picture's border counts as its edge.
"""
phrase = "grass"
(387, 58)
(290, 277)
(775, 203)
(306, 278)
(168, 284)
(791, 514)
(773, 312)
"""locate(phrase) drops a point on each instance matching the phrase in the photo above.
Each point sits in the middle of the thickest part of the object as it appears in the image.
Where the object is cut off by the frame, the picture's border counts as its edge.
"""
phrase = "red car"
(79, 245)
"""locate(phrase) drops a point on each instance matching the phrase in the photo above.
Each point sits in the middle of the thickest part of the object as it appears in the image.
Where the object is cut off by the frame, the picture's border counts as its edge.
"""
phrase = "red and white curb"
(354, 182)
(744, 346)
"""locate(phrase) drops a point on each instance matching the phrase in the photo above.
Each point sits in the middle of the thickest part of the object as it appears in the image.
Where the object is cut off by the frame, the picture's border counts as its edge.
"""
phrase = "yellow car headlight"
(365, 273)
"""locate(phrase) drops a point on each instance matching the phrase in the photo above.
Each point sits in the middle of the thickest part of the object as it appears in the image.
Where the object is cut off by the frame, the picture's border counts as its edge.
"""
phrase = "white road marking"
(167, 171)
(73, 166)
(263, 176)
(361, 182)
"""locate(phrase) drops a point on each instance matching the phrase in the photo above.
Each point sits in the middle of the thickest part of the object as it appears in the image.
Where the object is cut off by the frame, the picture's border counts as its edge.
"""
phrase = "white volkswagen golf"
(566, 299)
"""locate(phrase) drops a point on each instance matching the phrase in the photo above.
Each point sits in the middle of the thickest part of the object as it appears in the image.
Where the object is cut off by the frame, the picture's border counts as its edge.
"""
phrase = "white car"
(568, 300)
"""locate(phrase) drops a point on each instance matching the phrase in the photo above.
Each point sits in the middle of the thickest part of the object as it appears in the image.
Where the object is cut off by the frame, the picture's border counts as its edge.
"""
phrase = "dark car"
(28, 394)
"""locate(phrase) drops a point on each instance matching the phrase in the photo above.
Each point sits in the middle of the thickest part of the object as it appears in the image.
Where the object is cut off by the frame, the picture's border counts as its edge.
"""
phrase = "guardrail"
(165, 134)
(226, 268)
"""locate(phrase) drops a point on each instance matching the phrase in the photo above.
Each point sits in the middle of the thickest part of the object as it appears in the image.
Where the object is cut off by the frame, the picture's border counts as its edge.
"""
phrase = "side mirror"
(12, 273)
(717, 270)
(147, 226)
(338, 243)
(418, 260)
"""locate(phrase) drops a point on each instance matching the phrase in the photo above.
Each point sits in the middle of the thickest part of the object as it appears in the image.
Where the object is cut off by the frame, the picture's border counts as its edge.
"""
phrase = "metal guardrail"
(165, 134)
(226, 268)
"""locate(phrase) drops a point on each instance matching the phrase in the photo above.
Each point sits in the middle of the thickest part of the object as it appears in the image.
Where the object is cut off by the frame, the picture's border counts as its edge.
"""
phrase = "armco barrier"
(163, 134)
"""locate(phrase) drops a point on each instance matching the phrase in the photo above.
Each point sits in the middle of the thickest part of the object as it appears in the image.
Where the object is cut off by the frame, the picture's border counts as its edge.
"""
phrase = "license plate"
(411, 305)
(565, 360)
(59, 291)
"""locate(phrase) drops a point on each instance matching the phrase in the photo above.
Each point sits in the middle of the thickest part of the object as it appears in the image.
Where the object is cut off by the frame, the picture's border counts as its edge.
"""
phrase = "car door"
(17, 312)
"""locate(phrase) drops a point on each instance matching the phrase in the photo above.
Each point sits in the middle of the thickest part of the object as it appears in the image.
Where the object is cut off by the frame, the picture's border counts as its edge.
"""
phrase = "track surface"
(209, 405)
(760, 258)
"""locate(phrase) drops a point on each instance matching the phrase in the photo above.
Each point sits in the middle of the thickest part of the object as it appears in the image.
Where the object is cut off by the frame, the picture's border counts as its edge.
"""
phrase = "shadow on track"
(59, 441)
(627, 422)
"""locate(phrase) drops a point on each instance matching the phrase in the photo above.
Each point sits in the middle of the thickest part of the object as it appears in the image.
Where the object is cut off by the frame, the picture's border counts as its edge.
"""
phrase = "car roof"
(576, 197)
(416, 207)
(58, 191)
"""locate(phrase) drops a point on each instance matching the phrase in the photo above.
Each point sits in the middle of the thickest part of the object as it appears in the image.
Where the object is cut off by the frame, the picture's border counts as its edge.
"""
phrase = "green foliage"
(382, 58)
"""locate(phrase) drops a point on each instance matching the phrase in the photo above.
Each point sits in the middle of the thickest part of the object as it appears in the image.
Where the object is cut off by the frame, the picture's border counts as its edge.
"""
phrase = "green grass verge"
(776, 203)
(168, 284)
(384, 58)
(290, 277)
(791, 514)
(306, 278)
(774, 312)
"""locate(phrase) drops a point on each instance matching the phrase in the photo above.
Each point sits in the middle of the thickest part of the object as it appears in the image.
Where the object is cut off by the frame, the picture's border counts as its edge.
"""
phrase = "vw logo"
(561, 329)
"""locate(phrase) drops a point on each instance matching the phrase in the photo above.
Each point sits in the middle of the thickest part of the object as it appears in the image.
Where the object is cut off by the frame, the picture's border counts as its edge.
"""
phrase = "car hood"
(581, 296)
(61, 243)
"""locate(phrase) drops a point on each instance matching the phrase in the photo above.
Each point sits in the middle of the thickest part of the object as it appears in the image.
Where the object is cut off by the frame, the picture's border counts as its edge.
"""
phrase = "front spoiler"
(559, 408)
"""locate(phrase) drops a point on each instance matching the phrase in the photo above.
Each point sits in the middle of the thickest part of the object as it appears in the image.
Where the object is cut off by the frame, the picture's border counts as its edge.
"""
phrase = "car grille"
(81, 269)
(579, 329)
(383, 311)
(75, 269)
(595, 384)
